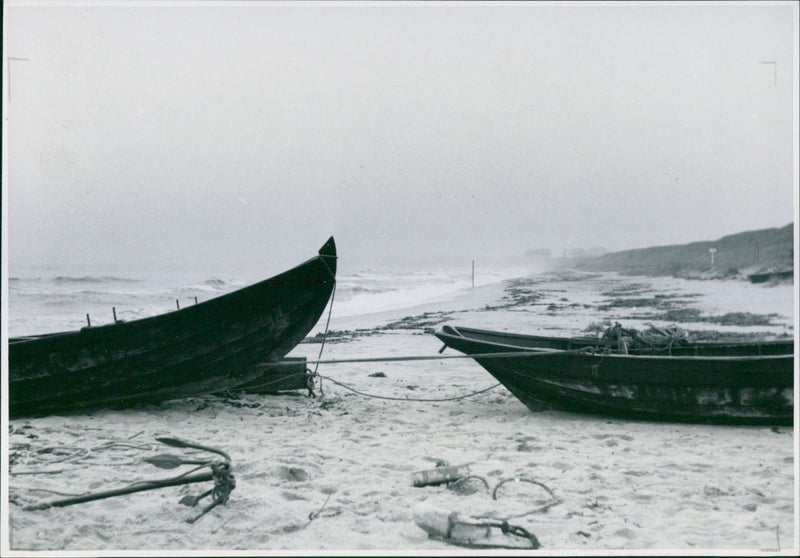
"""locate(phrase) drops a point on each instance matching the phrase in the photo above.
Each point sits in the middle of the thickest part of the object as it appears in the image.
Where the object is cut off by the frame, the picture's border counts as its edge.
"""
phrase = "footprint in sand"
(292, 474)
(621, 538)
(612, 440)
(292, 496)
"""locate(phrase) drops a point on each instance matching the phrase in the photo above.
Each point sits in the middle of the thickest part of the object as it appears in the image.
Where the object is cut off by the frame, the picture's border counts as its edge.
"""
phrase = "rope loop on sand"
(421, 399)
(543, 508)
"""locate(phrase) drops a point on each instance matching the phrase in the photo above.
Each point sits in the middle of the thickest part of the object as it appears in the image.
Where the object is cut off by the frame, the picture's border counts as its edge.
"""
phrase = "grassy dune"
(736, 256)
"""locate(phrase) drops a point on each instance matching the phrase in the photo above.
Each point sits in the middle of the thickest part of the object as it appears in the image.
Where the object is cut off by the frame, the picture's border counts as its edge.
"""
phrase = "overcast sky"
(206, 136)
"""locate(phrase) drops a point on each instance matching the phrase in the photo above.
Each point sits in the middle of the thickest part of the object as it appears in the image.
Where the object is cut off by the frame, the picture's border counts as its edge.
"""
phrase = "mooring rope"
(322, 344)
(423, 399)
(315, 374)
(428, 357)
(345, 386)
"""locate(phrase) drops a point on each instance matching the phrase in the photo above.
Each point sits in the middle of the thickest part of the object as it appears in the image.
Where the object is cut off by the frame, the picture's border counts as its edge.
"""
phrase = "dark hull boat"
(767, 276)
(742, 383)
(205, 348)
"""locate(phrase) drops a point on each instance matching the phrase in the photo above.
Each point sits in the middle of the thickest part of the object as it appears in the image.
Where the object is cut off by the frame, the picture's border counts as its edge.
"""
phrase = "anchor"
(219, 472)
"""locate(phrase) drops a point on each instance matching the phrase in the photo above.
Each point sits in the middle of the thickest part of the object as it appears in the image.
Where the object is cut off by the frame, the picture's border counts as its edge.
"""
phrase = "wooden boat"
(211, 346)
(767, 276)
(736, 383)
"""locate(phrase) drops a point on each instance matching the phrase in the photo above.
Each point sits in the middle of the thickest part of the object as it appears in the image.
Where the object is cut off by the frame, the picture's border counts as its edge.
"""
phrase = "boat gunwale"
(544, 351)
(186, 310)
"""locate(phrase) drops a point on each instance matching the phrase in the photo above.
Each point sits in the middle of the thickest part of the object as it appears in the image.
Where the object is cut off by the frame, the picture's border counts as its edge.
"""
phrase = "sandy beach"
(332, 474)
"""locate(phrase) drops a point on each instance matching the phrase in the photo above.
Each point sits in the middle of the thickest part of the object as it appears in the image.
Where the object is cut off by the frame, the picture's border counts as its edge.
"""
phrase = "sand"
(332, 474)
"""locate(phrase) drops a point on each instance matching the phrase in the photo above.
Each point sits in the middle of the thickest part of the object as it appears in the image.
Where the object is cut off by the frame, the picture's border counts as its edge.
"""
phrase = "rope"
(224, 484)
(456, 398)
(322, 258)
(453, 521)
(345, 386)
(313, 515)
(458, 482)
(69, 454)
(265, 384)
(61, 454)
(431, 357)
(322, 345)
(125, 445)
(553, 499)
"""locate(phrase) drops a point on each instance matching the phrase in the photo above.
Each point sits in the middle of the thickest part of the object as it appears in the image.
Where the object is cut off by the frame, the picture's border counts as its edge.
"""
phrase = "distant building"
(538, 253)
(584, 252)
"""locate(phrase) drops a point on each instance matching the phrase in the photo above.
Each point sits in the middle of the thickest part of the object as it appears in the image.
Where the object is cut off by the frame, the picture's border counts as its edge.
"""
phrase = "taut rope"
(429, 357)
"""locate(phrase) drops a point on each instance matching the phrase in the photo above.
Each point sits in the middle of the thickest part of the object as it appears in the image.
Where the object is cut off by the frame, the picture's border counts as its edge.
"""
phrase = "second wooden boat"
(739, 383)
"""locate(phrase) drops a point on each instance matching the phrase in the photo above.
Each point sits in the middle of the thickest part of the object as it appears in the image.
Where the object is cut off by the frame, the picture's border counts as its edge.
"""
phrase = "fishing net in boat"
(653, 338)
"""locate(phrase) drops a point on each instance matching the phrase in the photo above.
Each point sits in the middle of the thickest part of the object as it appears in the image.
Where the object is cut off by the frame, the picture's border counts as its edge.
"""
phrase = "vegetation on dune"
(733, 256)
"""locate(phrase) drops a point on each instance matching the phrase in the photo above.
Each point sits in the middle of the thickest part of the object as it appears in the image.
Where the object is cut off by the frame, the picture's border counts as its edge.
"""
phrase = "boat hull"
(746, 388)
(771, 276)
(211, 346)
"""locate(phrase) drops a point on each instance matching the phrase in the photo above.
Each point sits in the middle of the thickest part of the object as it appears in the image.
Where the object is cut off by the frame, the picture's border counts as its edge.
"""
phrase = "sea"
(52, 301)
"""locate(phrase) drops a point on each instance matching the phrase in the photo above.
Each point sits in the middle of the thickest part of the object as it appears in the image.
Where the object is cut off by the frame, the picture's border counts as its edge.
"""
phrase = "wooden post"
(177, 304)
(88, 321)
(195, 300)
(114, 309)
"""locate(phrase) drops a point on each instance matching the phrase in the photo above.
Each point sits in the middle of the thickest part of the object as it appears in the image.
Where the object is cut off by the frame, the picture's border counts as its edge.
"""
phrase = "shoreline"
(760, 310)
